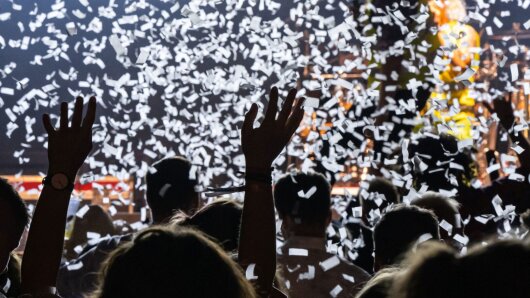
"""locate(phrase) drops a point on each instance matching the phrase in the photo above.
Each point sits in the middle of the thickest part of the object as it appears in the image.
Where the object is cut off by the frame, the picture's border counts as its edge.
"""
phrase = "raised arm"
(261, 146)
(504, 110)
(68, 146)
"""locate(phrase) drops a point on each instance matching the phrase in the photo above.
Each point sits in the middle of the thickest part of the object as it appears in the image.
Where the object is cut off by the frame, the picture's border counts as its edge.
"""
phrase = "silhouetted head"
(303, 201)
(171, 188)
(398, 230)
(500, 269)
(13, 220)
(164, 262)
(220, 220)
(437, 162)
(380, 194)
(96, 220)
(445, 209)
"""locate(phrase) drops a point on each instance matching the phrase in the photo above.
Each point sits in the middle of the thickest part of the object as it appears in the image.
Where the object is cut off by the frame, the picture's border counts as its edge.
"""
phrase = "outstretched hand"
(504, 110)
(68, 146)
(263, 144)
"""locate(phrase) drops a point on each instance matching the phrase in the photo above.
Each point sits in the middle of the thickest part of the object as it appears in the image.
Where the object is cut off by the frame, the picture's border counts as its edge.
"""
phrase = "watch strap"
(47, 180)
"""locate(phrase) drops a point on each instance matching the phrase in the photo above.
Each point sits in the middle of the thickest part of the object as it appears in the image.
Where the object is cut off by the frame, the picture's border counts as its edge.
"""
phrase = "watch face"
(59, 181)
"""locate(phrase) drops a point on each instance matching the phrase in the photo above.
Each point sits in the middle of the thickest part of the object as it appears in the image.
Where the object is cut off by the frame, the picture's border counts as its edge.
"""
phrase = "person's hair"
(220, 220)
(399, 229)
(169, 186)
(14, 275)
(501, 269)
(383, 187)
(164, 262)
(293, 198)
(380, 284)
(95, 220)
(525, 219)
(443, 207)
(9, 195)
(431, 158)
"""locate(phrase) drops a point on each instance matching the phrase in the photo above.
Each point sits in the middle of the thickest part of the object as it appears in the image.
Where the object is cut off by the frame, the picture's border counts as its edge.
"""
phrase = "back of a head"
(399, 229)
(304, 197)
(497, 270)
(163, 262)
(96, 220)
(380, 194)
(170, 188)
(430, 154)
(13, 219)
(14, 205)
(220, 220)
(505, 263)
(443, 207)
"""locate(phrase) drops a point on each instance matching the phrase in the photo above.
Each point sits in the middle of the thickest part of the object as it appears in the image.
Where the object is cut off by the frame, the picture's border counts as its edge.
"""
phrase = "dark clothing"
(78, 277)
(479, 201)
(362, 237)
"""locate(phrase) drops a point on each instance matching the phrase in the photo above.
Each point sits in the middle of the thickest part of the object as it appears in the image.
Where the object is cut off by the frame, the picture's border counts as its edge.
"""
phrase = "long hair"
(163, 262)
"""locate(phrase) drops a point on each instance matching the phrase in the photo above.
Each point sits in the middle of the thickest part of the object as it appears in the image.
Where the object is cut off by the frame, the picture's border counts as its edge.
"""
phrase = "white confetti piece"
(446, 226)
(308, 194)
(75, 266)
(514, 70)
(116, 44)
(71, 28)
(330, 263)
(81, 212)
(249, 273)
(465, 76)
(336, 291)
(298, 252)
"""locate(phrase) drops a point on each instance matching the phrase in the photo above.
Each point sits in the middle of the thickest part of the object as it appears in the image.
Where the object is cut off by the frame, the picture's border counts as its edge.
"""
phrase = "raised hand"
(263, 144)
(69, 145)
(504, 110)
(257, 240)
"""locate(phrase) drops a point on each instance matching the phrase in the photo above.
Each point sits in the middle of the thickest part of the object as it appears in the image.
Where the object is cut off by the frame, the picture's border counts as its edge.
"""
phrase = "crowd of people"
(447, 238)
(223, 249)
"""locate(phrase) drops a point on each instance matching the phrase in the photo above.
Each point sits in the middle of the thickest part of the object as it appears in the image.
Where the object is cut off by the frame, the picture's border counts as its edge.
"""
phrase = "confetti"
(330, 263)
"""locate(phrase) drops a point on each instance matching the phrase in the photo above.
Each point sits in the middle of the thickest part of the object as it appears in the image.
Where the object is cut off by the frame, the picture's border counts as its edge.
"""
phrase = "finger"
(287, 106)
(90, 116)
(46, 121)
(250, 117)
(64, 115)
(272, 106)
(296, 117)
(488, 107)
(78, 112)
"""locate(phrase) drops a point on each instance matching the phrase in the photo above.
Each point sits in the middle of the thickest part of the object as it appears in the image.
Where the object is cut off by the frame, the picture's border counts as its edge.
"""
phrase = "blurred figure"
(400, 229)
(161, 262)
(14, 219)
(498, 270)
(97, 222)
(378, 196)
(303, 203)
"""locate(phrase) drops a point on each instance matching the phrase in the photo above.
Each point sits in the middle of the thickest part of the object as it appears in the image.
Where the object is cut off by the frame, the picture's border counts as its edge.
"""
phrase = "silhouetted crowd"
(433, 245)
(419, 226)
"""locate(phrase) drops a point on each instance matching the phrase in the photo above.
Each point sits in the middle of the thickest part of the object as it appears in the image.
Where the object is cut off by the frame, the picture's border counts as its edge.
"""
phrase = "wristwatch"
(58, 181)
